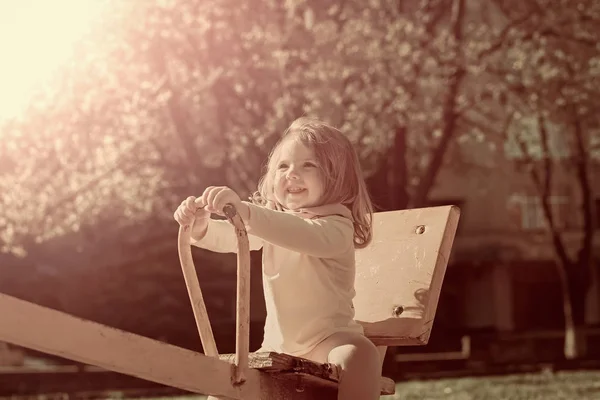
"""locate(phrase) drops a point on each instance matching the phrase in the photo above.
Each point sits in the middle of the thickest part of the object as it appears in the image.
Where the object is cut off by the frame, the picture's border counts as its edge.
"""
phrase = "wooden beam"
(195, 293)
(54, 332)
(29, 381)
(242, 313)
(302, 370)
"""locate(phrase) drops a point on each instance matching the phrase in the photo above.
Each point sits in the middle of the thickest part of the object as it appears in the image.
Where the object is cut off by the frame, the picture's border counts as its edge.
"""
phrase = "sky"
(36, 38)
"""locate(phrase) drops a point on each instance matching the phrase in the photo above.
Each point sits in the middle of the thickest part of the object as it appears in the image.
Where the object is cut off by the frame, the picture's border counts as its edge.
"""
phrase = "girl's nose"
(292, 174)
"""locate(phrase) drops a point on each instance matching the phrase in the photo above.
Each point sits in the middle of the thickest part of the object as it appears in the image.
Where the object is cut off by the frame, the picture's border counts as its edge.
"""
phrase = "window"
(531, 212)
(524, 141)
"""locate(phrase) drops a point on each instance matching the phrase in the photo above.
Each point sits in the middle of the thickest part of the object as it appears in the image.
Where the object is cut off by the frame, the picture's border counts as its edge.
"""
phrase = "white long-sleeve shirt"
(308, 272)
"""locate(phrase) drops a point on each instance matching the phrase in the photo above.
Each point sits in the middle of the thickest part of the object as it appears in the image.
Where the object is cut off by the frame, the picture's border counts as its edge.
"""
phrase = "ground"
(580, 385)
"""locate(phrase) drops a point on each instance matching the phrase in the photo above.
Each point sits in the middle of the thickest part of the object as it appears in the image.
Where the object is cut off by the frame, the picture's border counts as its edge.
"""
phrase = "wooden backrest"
(399, 275)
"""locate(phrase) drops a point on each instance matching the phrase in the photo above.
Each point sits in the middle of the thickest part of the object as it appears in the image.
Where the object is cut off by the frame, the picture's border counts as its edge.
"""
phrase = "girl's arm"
(322, 237)
(220, 237)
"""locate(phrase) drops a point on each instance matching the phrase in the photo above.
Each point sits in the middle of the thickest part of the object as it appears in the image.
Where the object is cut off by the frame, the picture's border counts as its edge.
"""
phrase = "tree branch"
(581, 166)
(72, 196)
(449, 117)
(502, 38)
(552, 32)
(559, 246)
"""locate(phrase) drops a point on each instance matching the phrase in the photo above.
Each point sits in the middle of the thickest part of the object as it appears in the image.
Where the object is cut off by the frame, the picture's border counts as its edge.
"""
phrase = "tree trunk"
(570, 344)
(449, 115)
(579, 285)
(592, 309)
(575, 285)
(579, 272)
(399, 171)
(388, 185)
(378, 186)
(574, 274)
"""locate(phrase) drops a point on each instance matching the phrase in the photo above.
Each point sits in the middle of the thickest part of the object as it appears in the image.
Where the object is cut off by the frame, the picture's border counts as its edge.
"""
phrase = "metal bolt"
(397, 311)
(420, 229)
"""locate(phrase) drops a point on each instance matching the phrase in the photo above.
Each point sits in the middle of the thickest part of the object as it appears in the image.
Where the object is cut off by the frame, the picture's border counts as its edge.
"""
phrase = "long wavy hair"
(339, 167)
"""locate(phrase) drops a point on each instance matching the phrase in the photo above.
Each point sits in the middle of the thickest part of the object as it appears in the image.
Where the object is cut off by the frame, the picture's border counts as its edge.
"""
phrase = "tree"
(116, 133)
(94, 171)
(394, 71)
(171, 96)
(121, 138)
(548, 79)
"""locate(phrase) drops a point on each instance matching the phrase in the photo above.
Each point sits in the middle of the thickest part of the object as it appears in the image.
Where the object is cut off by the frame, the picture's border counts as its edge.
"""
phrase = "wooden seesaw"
(398, 282)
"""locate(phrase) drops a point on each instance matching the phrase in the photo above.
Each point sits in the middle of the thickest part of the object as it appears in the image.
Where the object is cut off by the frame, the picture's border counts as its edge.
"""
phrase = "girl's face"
(298, 182)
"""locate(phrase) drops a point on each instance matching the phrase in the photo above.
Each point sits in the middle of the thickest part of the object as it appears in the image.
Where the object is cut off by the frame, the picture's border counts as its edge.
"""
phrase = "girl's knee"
(367, 352)
(361, 368)
(357, 350)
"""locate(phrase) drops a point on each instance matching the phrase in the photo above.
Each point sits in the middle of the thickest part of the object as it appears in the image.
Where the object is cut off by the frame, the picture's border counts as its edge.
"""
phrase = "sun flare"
(36, 38)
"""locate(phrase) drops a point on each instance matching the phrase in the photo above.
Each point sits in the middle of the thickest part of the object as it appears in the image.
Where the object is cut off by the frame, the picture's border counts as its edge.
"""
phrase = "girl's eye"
(282, 166)
(310, 164)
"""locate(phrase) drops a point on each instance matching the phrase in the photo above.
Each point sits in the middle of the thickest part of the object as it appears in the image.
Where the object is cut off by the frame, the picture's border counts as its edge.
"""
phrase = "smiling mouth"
(295, 190)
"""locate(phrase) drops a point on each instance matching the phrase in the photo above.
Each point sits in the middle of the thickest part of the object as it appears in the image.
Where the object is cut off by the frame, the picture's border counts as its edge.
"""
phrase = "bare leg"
(360, 361)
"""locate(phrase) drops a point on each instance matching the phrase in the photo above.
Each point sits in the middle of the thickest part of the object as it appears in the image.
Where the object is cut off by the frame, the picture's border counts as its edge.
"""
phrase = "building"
(502, 276)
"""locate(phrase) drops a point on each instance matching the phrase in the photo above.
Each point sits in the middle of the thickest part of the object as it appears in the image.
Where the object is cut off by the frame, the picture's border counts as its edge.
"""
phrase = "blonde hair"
(340, 169)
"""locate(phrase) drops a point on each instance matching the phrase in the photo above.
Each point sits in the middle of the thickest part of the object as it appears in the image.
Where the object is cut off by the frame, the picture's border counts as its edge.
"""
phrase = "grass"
(580, 385)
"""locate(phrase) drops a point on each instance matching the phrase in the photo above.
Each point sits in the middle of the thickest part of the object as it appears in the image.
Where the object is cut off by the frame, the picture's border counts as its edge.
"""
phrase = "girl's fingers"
(220, 200)
(199, 203)
(189, 203)
(185, 214)
(185, 211)
(210, 200)
(180, 218)
(204, 197)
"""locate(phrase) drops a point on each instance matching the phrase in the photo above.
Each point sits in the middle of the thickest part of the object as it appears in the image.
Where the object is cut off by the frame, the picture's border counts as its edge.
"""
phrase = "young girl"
(311, 211)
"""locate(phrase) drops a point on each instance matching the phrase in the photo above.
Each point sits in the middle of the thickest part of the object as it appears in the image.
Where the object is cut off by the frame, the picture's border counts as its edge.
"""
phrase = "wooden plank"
(242, 309)
(195, 293)
(399, 275)
(72, 379)
(10, 356)
(308, 372)
(53, 332)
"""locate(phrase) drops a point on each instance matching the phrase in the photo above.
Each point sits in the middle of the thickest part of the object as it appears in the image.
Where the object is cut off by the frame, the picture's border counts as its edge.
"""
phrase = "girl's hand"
(216, 197)
(190, 210)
